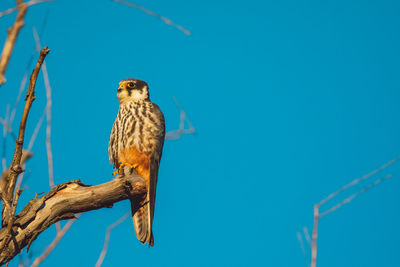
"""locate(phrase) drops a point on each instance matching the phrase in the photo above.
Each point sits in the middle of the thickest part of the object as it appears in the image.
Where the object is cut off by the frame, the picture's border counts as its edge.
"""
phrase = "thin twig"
(55, 242)
(30, 146)
(176, 134)
(49, 151)
(36, 131)
(300, 239)
(20, 91)
(11, 38)
(6, 128)
(107, 238)
(39, 123)
(154, 14)
(6, 125)
(314, 237)
(23, 162)
(307, 235)
(15, 169)
(351, 197)
(356, 181)
(317, 214)
(30, 3)
(28, 66)
(48, 113)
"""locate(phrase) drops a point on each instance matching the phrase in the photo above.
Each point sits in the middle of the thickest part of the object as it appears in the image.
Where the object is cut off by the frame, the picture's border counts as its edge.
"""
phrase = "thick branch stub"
(61, 203)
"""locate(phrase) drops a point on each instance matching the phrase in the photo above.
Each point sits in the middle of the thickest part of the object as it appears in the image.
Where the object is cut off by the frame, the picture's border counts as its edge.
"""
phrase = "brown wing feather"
(154, 165)
(141, 216)
(143, 211)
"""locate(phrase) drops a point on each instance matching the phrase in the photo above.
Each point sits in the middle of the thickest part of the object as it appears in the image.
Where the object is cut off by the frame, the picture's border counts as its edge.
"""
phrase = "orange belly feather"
(133, 157)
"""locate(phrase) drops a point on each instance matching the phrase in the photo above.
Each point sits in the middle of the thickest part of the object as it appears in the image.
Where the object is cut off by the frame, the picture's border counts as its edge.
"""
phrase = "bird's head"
(132, 90)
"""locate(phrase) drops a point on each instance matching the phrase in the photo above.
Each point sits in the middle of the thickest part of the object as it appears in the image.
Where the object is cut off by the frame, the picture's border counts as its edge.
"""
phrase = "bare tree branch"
(356, 181)
(314, 237)
(6, 128)
(36, 131)
(8, 182)
(30, 3)
(13, 112)
(20, 91)
(30, 146)
(49, 151)
(176, 134)
(307, 235)
(53, 244)
(25, 77)
(107, 238)
(318, 215)
(154, 14)
(351, 197)
(300, 239)
(11, 38)
(62, 202)
(48, 115)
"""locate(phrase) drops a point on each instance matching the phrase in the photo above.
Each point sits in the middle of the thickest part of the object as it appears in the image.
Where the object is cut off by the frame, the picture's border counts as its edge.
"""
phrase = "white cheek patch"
(123, 94)
(136, 94)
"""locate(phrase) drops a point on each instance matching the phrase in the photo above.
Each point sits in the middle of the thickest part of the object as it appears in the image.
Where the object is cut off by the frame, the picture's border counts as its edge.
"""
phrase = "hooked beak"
(121, 88)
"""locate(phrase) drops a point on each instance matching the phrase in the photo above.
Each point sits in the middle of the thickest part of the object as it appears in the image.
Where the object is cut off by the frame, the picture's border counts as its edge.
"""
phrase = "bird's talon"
(134, 166)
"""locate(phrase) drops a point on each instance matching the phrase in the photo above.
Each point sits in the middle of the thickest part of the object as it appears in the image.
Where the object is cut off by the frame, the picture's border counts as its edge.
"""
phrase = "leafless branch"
(314, 237)
(62, 202)
(154, 14)
(40, 121)
(30, 146)
(300, 239)
(8, 182)
(20, 91)
(351, 197)
(25, 77)
(36, 131)
(307, 235)
(53, 244)
(356, 181)
(107, 238)
(30, 3)
(48, 114)
(318, 215)
(6, 128)
(11, 38)
(176, 134)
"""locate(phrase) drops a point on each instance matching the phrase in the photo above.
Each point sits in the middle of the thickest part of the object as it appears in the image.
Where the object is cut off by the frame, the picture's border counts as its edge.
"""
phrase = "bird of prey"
(136, 140)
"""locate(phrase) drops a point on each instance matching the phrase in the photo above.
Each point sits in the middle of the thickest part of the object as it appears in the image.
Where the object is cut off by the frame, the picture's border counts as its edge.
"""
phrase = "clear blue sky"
(290, 99)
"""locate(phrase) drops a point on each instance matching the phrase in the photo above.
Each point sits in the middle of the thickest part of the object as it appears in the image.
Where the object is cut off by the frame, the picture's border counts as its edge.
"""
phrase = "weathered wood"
(61, 203)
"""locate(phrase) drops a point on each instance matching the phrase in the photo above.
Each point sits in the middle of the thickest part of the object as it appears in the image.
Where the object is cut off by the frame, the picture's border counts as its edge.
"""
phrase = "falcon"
(136, 140)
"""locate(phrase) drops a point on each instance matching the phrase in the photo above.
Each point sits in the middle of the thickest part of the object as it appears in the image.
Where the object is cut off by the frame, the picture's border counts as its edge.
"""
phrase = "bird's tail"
(141, 216)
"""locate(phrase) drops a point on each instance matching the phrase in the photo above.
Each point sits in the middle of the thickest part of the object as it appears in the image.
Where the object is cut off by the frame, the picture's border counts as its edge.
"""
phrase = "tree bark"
(62, 202)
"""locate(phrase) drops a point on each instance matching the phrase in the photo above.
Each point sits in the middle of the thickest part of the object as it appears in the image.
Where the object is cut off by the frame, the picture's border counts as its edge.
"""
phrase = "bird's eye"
(131, 84)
